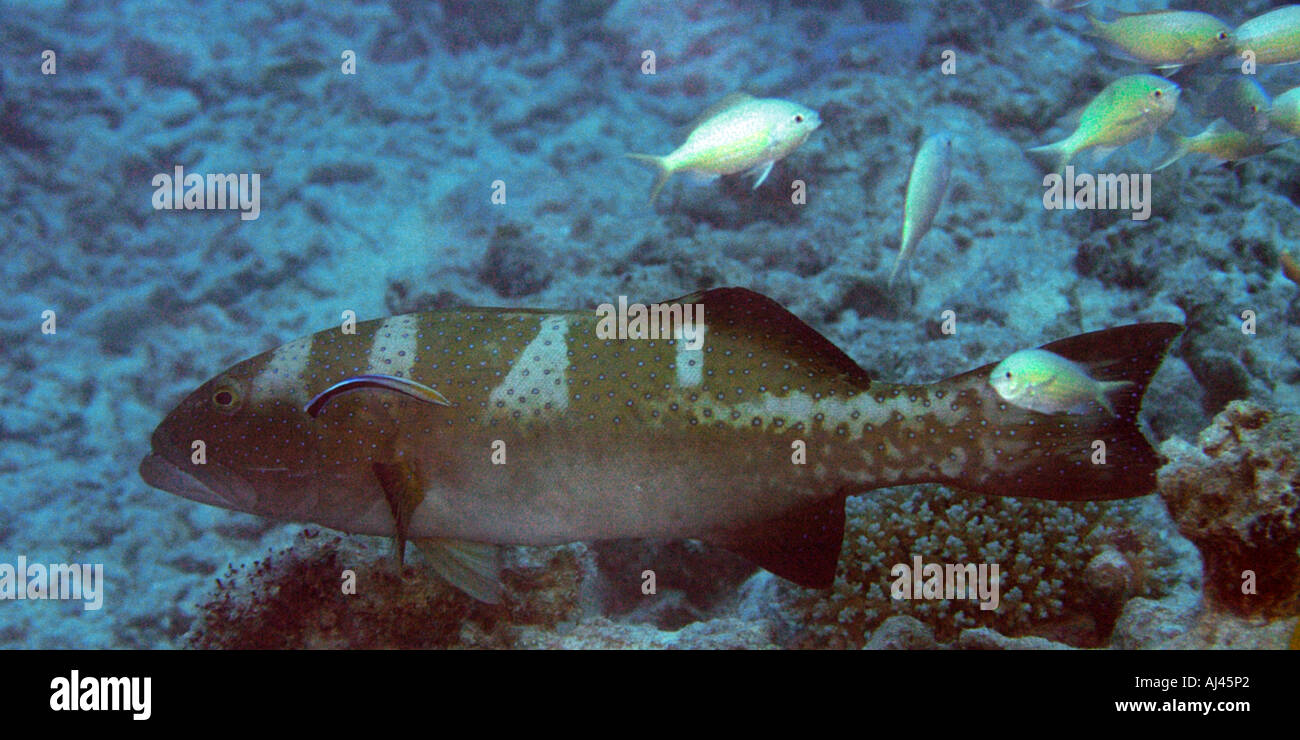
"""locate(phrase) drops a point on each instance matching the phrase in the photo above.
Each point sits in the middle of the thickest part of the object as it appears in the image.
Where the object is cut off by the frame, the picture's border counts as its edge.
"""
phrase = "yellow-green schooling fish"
(1125, 110)
(1284, 114)
(926, 186)
(1223, 142)
(1044, 381)
(1165, 39)
(740, 133)
(1242, 102)
(1273, 38)
(469, 428)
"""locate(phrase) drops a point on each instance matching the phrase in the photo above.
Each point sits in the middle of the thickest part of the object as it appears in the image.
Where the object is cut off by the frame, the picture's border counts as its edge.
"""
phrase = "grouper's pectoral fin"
(404, 491)
(472, 567)
(801, 546)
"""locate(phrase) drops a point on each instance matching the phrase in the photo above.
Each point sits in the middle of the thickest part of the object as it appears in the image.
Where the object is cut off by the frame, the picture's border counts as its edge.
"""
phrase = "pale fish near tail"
(926, 186)
(395, 430)
(740, 133)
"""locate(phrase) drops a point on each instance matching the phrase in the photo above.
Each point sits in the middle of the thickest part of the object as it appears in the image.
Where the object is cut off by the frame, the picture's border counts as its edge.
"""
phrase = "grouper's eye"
(226, 397)
(1157, 93)
(1008, 375)
(798, 118)
(1223, 35)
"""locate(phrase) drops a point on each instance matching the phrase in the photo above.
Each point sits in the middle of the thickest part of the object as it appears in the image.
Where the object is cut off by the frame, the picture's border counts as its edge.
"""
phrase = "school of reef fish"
(1103, 406)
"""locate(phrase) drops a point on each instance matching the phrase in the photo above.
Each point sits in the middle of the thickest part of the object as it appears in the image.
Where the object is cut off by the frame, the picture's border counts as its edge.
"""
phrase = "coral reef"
(1152, 625)
(1235, 495)
(1065, 569)
(693, 582)
(909, 633)
(902, 633)
(296, 598)
(600, 633)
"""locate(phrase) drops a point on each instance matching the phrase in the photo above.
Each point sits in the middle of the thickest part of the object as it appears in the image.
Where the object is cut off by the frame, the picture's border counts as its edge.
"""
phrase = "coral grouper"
(470, 428)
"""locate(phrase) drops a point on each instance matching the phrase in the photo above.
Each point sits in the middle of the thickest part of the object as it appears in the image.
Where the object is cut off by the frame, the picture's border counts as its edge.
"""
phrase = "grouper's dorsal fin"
(801, 546)
(742, 312)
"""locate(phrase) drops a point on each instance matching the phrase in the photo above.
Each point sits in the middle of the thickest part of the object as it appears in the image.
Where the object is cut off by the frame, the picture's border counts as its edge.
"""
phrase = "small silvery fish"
(1273, 38)
(741, 133)
(1043, 381)
(926, 186)
(470, 428)
(1284, 114)
(1125, 110)
(1242, 102)
(1223, 142)
(1165, 39)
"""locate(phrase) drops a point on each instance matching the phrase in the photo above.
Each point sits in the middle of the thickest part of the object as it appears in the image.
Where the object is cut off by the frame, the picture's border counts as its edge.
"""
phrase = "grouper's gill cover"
(606, 438)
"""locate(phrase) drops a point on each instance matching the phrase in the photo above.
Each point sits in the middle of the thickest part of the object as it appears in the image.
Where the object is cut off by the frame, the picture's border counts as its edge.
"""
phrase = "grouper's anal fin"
(802, 546)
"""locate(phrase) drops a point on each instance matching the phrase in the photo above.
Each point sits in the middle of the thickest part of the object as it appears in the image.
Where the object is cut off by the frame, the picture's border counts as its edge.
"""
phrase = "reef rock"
(983, 638)
(902, 633)
(599, 633)
(1234, 495)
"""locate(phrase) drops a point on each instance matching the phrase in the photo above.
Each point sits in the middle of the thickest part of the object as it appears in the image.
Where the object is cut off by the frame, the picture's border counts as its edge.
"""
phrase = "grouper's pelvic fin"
(1100, 455)
(472, 567)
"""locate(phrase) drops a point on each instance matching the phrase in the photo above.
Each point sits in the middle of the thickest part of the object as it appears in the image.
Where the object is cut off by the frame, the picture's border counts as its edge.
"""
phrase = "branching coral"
(1065, 569)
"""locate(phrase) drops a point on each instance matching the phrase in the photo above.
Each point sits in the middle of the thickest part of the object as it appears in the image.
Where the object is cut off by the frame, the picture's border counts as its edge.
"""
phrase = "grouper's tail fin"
(1127, 356)
(1092, 456)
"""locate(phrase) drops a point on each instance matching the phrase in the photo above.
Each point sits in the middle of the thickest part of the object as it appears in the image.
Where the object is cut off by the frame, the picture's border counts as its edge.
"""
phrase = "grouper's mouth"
(162, 473)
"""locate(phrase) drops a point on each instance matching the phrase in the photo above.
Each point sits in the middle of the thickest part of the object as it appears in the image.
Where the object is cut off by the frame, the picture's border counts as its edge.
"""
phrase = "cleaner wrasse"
(469, 428)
